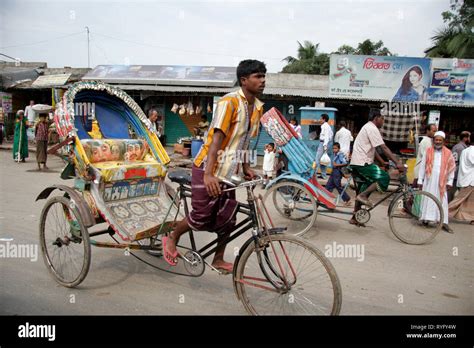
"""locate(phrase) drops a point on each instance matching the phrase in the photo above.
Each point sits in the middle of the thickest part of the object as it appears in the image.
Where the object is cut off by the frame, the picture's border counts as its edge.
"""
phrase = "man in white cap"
(436, 175)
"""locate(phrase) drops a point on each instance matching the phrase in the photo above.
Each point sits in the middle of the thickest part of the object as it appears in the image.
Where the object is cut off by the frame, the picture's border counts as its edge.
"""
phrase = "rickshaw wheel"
(405, 216)
(296, 206)
(64, 240)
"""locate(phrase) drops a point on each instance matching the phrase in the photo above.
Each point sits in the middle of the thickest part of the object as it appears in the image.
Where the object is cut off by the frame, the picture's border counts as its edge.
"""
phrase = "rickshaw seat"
(181, 177)
(122, 159)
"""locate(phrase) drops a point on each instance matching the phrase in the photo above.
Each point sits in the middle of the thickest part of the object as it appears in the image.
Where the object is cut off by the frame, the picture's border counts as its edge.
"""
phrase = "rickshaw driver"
(363, 166)
(235, 120)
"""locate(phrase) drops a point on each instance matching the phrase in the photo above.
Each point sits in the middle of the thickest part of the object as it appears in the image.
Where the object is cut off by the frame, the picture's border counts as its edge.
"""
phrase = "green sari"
(20, 140)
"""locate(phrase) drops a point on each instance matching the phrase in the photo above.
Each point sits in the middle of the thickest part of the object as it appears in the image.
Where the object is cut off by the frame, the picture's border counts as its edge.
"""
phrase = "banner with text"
(401, 79)
(452, 81)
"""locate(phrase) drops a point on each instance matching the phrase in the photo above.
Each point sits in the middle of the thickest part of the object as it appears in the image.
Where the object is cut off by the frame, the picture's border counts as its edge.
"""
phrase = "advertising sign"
(452, 81)
(401, 79)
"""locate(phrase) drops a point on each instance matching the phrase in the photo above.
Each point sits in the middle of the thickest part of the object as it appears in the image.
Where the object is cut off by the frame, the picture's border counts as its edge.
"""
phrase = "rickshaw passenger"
(362, 163)
(236, 118)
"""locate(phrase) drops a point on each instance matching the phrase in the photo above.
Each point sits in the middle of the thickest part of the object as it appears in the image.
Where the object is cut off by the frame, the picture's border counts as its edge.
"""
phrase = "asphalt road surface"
(390, 278)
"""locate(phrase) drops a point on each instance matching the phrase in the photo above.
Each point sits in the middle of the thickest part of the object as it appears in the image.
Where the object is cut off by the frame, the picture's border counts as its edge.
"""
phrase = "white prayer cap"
(440, 134)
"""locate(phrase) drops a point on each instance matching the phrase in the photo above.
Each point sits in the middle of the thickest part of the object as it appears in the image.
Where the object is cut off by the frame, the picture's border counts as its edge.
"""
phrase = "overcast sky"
(207, 32)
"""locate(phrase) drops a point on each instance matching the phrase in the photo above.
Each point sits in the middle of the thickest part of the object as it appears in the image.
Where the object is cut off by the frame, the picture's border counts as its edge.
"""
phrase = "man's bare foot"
(222, 266)
(353, 221)
(364, 200)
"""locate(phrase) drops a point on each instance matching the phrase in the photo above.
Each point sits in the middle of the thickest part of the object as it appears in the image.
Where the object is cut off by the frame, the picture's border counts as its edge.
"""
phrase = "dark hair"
(325, 117)
(375, 115)
(272, 144)
(464, 134)
(248, 67)
(204, 117)
(294, 119)
(406, 84)
(342, 123)
(428, 127)
(337, 144)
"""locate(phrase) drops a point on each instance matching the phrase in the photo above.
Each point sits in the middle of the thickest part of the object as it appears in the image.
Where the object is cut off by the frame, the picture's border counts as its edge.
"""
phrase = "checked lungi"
(213, 214)
(369, 174)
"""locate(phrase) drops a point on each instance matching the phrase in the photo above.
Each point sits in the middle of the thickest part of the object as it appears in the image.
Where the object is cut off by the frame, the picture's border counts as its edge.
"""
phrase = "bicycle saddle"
(181, 177)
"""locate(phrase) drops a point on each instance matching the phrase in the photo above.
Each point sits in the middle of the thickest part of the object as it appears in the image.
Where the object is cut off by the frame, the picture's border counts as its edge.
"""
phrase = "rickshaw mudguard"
(237, 258)
(315, 191)
(81, 205)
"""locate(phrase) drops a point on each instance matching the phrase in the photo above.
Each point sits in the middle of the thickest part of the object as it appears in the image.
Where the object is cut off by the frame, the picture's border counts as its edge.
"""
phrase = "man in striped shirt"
(236, 119)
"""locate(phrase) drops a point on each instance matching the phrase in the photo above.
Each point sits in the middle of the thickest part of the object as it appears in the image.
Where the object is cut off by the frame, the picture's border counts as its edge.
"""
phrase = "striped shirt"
(41, 131)
(231, 116)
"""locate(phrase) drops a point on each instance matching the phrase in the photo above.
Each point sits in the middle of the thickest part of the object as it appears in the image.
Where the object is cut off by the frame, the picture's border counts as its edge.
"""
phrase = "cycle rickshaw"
(119, 169)
(298, 196)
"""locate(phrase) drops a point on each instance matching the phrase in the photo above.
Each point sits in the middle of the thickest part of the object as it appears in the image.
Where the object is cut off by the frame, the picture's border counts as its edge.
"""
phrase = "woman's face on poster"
(414, 77)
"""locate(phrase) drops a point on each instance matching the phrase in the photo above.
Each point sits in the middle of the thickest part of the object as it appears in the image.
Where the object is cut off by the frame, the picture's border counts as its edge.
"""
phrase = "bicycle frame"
(254, 222)
(250, 222)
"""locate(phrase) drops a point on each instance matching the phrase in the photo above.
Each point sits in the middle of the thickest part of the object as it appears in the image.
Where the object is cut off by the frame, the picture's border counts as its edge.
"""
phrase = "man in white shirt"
(462, 206)
(30, 116)
(424, 144)
(344, 137)
(324, 139)
(363, 166)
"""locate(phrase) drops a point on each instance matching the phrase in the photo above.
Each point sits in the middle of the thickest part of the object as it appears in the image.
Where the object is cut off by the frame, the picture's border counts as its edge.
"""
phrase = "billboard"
(452, 81)
(215, 76)
(401, 79)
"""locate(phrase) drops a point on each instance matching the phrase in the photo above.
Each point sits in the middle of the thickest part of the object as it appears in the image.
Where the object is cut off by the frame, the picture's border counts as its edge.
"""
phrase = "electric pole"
(88, 50)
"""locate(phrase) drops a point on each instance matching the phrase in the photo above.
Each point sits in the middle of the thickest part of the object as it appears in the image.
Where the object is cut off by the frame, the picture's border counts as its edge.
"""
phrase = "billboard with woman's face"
(402, 79)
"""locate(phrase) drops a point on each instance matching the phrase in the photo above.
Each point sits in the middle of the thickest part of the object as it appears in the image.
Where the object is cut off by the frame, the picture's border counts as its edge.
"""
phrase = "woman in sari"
(20, 139)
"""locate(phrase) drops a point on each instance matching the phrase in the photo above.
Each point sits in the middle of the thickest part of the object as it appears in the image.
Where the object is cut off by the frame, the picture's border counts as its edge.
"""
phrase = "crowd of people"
(447, 174)
(35, 129)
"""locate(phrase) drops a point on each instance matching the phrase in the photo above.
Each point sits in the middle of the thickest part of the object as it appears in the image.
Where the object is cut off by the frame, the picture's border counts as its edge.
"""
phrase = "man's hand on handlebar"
(212, 185)
(248, 173)
(401, 167)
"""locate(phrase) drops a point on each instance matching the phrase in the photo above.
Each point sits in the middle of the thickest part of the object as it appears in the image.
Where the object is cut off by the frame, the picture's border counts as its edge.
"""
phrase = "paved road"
(393, 278)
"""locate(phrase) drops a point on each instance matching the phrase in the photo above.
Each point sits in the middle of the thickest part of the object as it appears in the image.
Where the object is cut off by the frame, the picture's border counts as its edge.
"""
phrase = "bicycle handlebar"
(234, 185)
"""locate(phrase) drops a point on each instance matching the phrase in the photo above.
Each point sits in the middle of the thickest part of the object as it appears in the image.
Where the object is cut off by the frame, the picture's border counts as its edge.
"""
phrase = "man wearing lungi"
(363, 166)
(235, 119)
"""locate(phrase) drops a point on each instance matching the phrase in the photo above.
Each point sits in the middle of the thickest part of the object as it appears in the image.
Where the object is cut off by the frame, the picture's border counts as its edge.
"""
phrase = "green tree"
(367, 47)
(308, 61)
(456, 38)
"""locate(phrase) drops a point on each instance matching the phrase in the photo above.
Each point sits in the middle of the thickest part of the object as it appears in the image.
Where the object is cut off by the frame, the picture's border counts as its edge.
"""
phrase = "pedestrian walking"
(462, 206)
(344, 138)
(20, 139)
(335, 178)
(436, 176)
(456, 150)
(41, 137)
(325, 138)
(424, 145)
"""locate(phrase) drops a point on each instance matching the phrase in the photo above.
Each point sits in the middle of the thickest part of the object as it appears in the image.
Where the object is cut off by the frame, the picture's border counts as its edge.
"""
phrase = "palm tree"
(308, 60)
(456, 39)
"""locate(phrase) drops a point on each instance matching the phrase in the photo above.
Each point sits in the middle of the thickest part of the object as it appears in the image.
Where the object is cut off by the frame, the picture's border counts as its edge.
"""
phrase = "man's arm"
(325, 131)
(394, 158)
(210, 181)
(422, 170)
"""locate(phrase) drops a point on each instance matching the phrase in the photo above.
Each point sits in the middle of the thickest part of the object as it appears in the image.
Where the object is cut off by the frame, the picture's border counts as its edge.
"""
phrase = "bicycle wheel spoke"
(413, 217)
(313, 292)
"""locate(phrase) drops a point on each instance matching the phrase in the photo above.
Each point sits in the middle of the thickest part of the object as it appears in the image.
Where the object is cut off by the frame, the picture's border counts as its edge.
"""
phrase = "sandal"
(224, 270)
(171, 259)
